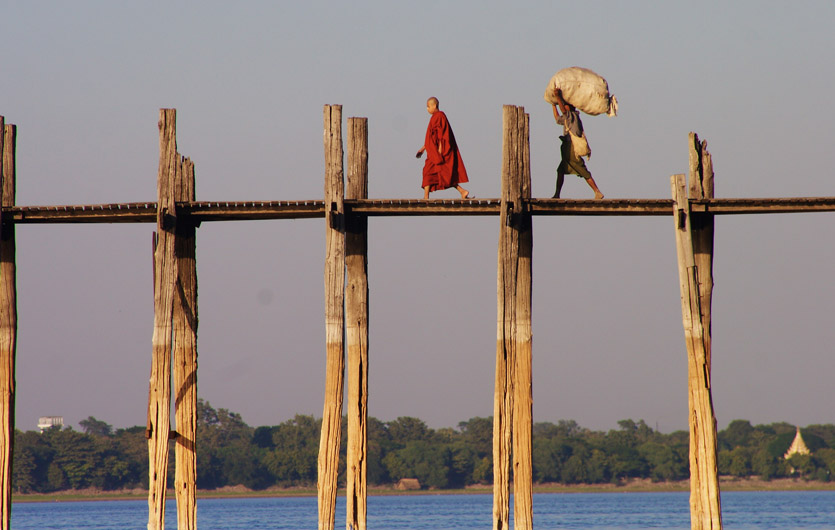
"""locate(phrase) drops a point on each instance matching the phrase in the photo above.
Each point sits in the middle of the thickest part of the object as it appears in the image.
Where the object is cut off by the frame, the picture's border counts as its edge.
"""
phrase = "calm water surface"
(601, 511)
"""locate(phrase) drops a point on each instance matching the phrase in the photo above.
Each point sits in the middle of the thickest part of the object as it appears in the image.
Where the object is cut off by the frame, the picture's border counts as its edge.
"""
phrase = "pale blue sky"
(83, 81)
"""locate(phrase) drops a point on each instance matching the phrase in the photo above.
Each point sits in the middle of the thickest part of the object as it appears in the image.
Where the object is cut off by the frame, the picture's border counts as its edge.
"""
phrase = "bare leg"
(464, 193)
(560, 181)
(593, 185)
(426, 192)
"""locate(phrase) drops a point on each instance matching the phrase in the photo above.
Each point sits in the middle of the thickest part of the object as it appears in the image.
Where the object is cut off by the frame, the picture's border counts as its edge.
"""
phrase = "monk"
(444, 167)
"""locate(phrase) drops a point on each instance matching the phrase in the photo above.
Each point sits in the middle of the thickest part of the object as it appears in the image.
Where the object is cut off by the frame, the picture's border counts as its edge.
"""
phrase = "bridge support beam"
(694, 245)
(184, 355)
(8, 319)
(328, 466)
(175, 334)
(356, 321)
(513, 399)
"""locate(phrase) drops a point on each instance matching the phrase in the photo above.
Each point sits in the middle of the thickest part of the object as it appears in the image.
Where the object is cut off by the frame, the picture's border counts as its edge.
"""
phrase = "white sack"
(583, 89)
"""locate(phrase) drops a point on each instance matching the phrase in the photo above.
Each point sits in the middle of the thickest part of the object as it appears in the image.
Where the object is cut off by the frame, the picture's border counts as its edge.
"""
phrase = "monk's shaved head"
(433, 99)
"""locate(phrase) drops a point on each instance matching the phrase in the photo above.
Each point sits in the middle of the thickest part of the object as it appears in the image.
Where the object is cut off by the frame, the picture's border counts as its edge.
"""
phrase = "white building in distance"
(47, 422)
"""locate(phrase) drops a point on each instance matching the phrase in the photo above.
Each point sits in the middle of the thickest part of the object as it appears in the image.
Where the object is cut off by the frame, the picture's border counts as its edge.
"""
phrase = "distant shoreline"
(636, 486)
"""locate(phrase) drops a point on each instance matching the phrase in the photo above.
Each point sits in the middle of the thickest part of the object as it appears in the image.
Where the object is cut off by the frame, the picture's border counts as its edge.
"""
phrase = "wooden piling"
(701, 187)
(328, 467)
(523, 384)
(694, 248)
(8, 318)
(512, 398)
(184, 355)
(356, 332)
(165, 283)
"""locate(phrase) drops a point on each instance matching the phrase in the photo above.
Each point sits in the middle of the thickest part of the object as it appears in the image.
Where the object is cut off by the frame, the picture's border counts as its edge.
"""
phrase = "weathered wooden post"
(512, 399)
(334, 317)
(522, 370)
(165, 284)
(694, 246)
(184, 357)
(356, 332)
(8, 318)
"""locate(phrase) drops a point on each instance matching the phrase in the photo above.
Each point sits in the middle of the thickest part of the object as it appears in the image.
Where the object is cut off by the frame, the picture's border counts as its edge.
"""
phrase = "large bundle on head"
(583, 89)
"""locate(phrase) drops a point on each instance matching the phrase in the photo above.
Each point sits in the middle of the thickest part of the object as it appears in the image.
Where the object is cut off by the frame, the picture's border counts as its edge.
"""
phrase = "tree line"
(230, 452)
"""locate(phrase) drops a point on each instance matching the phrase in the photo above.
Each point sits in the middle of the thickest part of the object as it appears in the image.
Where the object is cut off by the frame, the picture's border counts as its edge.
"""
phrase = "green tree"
(663, 461)
(75, 455)
(95, 427)
(825, 459)
(429, 463)
(598, 467)
(221, 437)
(763, 464)
(378, 441)
(294, 458)
(477, 433)
(801, 465)
(23, 471)
(406, 429)
(549, 455)
(740, 465)
(56, 478)
(737, 434)
(574, 469)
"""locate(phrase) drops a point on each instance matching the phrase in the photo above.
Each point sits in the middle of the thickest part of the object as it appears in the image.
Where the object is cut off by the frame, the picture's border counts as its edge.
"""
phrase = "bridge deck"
(199, 211)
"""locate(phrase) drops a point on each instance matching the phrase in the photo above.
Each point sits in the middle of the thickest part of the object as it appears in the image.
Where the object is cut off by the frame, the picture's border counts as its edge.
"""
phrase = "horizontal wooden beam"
(199, 211)
(418, 207)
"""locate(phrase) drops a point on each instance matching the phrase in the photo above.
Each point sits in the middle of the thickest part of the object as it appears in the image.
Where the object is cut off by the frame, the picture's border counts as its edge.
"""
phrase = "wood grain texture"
(334, 317)
(705, 511)
(184, 355)
(165, 284)
(356, 332)
(8, 319)
(512, 400)
(522, 369)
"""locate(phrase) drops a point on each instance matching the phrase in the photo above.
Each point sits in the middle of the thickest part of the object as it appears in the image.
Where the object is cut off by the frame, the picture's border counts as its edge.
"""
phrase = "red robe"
(445, 169)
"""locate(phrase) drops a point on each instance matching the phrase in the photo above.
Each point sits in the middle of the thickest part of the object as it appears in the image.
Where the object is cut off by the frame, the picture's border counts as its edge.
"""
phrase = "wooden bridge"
(200, 211)
(346, 208)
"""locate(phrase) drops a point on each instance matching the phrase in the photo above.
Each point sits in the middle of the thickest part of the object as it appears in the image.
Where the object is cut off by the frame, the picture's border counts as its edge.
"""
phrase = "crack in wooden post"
(356, 332)
(328, 465)
(512, 396)
(165, 278)
(184, 354)
(694, 248)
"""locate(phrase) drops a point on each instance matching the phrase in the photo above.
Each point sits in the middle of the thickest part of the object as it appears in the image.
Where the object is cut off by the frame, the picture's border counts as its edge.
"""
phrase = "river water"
(601, 511)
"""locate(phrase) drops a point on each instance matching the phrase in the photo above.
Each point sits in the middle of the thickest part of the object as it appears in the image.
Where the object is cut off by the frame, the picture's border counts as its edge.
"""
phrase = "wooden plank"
(704, 486)
(522, 369)
(8, 319)
(165, 282)
(184, 356)
(356, 332)
(334, 318)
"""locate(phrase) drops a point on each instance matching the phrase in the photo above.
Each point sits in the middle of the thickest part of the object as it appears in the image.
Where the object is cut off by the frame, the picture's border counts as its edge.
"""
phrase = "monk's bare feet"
(598, 195)
(555, 197)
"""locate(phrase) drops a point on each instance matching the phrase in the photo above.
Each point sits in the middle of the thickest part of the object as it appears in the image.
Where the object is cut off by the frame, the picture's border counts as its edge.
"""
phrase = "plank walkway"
(199, 211)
